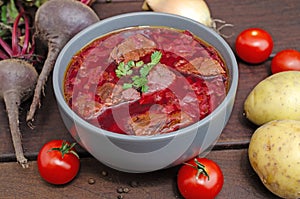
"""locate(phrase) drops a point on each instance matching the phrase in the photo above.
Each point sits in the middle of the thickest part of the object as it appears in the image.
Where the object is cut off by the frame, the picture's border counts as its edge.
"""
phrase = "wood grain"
(240, 181)
(280, 17)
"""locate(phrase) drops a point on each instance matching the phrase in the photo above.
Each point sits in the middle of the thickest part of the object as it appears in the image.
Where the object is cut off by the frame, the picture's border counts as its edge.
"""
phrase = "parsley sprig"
(138, 81)
(123, 69)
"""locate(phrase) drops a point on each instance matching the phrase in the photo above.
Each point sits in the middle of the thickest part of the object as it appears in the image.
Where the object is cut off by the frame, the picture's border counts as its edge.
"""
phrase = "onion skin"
(193, 9)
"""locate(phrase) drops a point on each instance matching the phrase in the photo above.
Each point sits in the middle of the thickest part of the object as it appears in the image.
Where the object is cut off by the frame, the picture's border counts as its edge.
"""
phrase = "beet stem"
(27, 34)
(15, 36)
(46, 70)
(3, 55)
(12, 101)
(6, 47)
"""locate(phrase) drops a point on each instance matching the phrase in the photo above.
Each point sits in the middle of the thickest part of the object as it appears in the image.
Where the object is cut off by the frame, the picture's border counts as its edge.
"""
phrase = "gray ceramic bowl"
(146, 153)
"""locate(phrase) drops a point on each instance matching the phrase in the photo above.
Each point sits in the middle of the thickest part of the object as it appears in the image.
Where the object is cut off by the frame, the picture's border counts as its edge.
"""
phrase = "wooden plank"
(280, 18)
(240, 181)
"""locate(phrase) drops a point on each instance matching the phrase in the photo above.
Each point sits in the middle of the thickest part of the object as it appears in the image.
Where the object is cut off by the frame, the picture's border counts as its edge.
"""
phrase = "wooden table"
(279, 17)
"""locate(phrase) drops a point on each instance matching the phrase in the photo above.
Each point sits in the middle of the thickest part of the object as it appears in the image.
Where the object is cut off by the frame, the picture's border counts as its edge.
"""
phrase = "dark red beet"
(18, 79)
(56, 22)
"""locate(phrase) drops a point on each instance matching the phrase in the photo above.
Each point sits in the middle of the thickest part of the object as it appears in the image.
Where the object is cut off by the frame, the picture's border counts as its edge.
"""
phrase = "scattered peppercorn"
(104, 173)
(120, 190)
(125, 190)
(133, 183)
(120, 196)
(91, 181)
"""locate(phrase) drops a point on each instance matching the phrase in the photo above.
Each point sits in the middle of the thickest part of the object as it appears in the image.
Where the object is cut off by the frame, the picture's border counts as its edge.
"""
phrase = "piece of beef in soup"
(155, 121)
(201, 66)
(182, 44)
(108, 95)
(111, 94)
(132, 48)
(160, 77)
(85, 105)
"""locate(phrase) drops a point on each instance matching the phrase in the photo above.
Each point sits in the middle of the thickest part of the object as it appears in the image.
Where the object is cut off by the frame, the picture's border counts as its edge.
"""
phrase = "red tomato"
(58, 162)
(200, 178)
(286, 60)
(254, 45)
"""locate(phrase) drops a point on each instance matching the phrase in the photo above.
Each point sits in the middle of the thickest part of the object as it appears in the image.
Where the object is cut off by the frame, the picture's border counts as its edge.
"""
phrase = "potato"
(274, 98)
(274, 154)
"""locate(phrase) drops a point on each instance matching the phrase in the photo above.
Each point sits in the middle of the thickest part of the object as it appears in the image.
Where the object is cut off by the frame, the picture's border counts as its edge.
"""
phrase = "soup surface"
(145, 81)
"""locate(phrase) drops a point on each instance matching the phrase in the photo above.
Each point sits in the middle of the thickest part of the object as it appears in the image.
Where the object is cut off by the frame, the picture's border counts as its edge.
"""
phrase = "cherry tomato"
(254, 45)
(58, 162)
(286, 60)
(200, 178)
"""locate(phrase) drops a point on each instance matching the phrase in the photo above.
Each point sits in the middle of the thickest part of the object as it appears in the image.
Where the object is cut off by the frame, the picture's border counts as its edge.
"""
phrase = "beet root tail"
(12, 102)
(42, 79)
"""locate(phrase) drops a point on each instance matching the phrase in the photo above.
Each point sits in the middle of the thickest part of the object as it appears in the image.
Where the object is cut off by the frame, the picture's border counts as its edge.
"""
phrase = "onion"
(197, 10)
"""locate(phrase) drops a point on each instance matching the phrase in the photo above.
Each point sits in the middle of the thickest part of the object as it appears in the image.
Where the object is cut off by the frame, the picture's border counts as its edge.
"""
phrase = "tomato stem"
(200, 168)
(65, 149)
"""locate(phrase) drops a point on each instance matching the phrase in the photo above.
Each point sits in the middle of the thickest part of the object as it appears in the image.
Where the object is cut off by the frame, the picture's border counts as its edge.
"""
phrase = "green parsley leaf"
(123, 70)
(138, 81)
(144, 88)
(131, 63)
(144, 71)
(127, 85)
(139, 64)
(155, 57)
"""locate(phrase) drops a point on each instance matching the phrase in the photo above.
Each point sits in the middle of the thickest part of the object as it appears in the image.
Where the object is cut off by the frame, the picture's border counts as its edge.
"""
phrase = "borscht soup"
(145, 80)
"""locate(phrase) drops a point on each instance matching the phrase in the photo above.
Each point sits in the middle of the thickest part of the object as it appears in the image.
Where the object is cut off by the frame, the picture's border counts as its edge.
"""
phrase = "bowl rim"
(77, 119)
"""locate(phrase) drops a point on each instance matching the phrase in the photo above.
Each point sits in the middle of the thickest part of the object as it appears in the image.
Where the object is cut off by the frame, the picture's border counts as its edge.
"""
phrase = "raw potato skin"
(274, 154)
(274, 98)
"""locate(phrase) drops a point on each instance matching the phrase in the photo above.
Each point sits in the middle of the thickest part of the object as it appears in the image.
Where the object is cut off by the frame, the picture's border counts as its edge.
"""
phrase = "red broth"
(188, 83)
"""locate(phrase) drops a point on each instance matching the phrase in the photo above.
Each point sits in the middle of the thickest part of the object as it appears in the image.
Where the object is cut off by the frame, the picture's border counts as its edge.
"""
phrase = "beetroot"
(56, 21)
(17, 79)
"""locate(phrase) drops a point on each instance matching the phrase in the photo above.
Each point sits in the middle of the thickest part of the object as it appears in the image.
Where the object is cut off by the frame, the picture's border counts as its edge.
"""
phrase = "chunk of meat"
(147, 124)
(105, 91)
(136, 55)
(130, 94)
(157, 121)
(160, 78)
(111, 94)
(85, 105)
(202, 66)
(133, 48)
(182, 44)
(153, 123)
